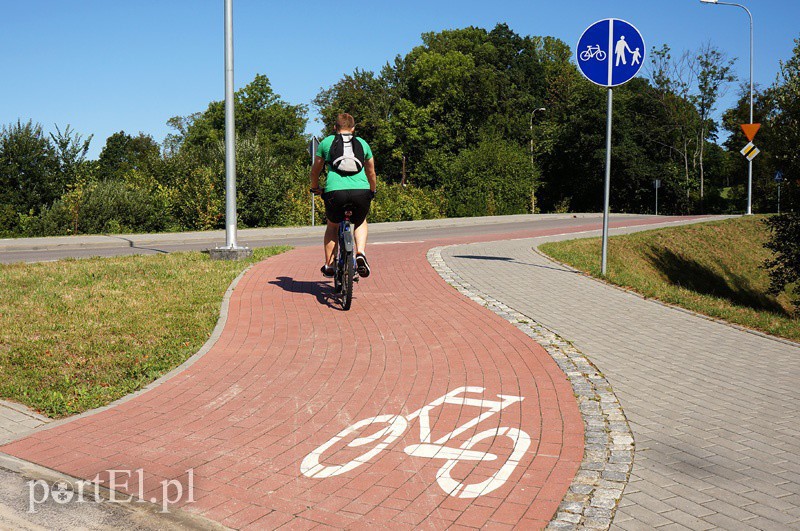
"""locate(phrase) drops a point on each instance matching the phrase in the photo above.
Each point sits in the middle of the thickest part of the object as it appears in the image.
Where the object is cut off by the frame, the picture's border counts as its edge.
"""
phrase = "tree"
(491, 178)
(784, 268)
(278, 126)
(70, 150)
(673, 80)
(123, 153)
(28, 169)
(713, 71)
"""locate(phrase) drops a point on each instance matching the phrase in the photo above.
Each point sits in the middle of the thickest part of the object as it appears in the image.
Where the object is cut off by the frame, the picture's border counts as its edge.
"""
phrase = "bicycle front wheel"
(347, 281)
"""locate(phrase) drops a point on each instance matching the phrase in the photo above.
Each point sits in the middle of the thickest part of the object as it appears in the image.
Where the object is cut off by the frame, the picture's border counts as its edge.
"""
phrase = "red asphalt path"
(290, 372)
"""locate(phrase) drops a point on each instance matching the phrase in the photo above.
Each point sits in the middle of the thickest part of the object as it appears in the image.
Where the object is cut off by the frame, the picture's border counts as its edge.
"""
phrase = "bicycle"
(313, 467)
(345, 270)
(344, 274)
(593, 51)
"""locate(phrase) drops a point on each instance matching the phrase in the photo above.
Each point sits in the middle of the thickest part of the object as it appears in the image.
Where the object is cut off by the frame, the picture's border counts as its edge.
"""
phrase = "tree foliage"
(454, 130)
(785, 122)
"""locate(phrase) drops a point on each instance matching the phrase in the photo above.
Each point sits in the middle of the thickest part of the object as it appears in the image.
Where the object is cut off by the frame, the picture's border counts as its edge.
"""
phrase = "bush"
(493, 178)
(104, 208)
(197, 200)
(395, 202)
(784, 268)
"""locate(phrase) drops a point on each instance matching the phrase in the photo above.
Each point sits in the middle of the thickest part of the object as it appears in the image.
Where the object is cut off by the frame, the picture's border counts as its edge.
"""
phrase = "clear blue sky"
(106, 65)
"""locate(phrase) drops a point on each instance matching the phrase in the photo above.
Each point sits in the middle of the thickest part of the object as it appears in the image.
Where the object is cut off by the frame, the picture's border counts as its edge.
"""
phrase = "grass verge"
(78, 334)
(710, 268)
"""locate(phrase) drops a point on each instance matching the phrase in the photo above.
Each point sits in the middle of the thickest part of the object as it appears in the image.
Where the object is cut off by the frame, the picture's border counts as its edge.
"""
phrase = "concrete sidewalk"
(713, 409)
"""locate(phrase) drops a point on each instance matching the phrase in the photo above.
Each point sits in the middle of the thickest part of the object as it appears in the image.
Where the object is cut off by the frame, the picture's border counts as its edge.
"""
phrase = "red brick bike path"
(291, 371)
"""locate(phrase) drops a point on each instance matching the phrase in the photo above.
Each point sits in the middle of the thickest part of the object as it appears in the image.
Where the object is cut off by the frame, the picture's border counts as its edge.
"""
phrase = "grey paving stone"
(722, 521)
(646, 516)
(713, 408)
(16, 419)
(687, 520)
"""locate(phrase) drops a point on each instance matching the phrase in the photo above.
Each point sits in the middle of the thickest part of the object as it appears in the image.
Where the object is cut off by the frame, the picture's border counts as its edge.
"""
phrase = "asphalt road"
(47, 249)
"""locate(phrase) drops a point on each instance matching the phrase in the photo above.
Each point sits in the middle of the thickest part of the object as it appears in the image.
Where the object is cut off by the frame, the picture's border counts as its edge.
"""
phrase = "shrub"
(784, 268)
(493, 178)
(395, 202)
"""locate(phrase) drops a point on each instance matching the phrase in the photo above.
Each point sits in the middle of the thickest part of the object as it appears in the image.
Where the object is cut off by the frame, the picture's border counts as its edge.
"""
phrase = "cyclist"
(342, 188)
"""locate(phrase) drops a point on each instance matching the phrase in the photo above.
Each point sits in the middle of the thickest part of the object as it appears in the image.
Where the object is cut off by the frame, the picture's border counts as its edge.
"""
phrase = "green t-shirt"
(335, 181)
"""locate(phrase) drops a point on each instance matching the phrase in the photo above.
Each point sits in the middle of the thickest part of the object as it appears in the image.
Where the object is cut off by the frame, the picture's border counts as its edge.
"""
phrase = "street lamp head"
(709, 1)
(541, 109)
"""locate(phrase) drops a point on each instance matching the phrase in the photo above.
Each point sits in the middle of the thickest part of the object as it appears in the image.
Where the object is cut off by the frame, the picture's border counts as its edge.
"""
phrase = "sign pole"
(657, 186)
(607, 184)
(609, 53)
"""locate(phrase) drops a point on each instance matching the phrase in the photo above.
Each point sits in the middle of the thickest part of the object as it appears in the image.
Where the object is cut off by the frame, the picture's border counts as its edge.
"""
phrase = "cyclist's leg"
(331, 235)
(361, 237)
(334, 214)
(361, 200)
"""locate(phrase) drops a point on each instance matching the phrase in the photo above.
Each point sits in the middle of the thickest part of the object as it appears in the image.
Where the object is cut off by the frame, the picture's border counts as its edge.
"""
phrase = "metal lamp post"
(750, 162)
(533, 197)
(231, 251)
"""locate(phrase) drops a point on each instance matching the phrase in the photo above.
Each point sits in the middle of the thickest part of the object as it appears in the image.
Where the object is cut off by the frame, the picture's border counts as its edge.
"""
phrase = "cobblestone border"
(593, 496)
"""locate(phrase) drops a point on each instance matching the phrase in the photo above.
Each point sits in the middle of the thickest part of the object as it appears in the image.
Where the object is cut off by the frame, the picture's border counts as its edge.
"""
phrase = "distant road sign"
(778, 176)
(750, 130)
(312, 147)
(750, 151)
(610, 52)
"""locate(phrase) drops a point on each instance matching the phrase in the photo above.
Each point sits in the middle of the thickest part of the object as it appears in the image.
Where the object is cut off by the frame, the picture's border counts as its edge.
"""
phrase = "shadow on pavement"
(692, 275)
(133, 245)
(478, 257)
(512, 261)
(323, 291)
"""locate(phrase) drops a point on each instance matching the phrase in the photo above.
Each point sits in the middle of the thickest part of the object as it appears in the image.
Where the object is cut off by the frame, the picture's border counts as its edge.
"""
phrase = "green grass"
(78, 334)
(710, 268)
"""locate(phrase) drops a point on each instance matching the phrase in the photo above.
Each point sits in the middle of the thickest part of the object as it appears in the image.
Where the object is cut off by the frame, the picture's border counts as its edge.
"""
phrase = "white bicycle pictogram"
(593, 51)
(398, 424)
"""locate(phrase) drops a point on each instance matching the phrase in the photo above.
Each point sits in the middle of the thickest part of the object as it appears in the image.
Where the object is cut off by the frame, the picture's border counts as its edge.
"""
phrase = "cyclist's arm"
(316, 169)
(369, 168)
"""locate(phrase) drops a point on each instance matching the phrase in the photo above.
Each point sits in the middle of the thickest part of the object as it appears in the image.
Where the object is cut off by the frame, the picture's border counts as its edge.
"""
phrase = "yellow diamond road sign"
(750, 151)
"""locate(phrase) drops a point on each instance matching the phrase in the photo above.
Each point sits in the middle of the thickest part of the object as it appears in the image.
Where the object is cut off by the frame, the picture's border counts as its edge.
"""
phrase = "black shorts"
(358, 201)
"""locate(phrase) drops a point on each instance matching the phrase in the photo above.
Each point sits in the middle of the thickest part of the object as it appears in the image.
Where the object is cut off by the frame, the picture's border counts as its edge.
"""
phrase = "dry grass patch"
(78, 334)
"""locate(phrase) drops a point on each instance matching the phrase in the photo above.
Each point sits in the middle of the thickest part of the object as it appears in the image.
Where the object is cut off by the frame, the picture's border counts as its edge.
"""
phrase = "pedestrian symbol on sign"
(610, 52)
(619, 50)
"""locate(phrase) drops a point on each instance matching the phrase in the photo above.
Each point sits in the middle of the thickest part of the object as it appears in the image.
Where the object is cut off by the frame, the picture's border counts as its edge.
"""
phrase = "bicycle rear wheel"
(347, 281)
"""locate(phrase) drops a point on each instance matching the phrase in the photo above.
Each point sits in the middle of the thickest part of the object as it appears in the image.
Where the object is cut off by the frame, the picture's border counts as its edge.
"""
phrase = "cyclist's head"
(345, 122)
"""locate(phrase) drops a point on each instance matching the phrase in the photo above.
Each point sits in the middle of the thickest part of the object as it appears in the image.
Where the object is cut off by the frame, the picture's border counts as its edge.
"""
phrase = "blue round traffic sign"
(610, 52)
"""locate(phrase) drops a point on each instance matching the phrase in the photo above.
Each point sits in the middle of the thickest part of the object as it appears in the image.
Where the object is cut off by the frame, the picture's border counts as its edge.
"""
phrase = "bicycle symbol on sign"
(593, 51)
(396, 425)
